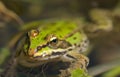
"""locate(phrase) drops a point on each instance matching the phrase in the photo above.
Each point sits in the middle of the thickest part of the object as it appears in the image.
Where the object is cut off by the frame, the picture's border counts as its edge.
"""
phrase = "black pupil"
(54, 40)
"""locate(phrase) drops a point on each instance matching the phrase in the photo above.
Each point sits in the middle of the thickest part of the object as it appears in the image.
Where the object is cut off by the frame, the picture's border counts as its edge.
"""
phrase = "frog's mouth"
(53, 53)
(42, 58)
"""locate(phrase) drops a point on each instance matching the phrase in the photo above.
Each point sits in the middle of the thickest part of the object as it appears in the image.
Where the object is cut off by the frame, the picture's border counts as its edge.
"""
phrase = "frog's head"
(54, 40)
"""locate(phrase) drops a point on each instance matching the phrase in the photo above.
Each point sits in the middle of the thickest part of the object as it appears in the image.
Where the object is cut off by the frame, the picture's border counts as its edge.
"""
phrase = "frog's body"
(52, 41)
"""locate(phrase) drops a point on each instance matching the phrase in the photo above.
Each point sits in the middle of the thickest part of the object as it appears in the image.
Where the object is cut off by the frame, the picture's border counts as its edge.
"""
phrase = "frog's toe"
(84, 61)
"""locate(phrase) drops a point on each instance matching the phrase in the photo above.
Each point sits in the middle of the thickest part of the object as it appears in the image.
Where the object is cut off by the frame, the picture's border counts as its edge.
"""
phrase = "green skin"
(52, 41)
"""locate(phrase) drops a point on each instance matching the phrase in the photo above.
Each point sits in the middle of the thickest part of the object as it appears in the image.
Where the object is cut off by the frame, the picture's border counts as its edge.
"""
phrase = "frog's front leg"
(77, 61)
(81, 60)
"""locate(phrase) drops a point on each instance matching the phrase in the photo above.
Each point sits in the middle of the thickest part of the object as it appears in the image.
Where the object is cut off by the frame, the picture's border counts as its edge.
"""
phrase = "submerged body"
(51, 42)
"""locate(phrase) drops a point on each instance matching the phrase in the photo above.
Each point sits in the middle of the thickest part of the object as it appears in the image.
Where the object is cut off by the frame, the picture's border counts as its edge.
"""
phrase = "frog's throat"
(53, 52)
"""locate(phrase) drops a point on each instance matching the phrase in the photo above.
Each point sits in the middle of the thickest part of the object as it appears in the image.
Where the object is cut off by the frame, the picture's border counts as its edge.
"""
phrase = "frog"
(52, 42)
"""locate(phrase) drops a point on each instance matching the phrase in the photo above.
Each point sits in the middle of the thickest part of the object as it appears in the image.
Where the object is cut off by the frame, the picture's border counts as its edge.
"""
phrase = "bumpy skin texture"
(51, 43)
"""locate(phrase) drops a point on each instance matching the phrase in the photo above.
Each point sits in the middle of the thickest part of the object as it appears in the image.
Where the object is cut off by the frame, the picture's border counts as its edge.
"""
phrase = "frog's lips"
(53, 53)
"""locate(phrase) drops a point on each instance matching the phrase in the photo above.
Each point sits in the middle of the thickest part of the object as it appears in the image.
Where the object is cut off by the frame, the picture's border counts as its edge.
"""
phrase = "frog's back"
(59, 28)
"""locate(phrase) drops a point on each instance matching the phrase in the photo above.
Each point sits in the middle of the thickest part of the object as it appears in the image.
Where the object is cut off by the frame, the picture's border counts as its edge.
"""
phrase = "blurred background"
(105, 44)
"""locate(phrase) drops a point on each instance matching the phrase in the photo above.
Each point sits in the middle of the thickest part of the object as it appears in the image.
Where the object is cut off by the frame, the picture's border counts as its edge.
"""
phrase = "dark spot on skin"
(60, 36)
(74, 38)
(86, 41)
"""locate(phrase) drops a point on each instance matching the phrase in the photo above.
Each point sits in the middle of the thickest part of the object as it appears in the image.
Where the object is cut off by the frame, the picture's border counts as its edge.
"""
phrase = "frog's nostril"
(34, 32)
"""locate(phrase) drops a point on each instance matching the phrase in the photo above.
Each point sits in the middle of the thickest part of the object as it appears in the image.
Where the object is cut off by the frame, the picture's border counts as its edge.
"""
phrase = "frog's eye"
(34, 33)
(53, 40)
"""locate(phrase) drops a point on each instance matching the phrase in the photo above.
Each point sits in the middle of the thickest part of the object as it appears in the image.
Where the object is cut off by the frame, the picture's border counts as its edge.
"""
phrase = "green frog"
(51, 42)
